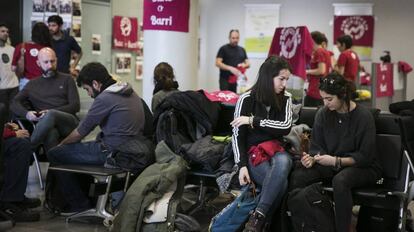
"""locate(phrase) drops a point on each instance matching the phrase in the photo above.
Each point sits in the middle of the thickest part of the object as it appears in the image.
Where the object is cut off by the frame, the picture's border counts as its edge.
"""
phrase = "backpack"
(311, 209)
(55, 201)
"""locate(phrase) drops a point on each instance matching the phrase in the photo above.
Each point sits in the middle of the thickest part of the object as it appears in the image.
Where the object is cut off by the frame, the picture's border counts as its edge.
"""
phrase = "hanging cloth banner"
(384, 76)
(125, 32)
(360, 28)
(295, 44)
(167, 15)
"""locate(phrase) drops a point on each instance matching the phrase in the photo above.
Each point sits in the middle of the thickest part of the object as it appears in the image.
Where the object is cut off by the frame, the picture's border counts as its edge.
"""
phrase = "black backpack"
(311, 209)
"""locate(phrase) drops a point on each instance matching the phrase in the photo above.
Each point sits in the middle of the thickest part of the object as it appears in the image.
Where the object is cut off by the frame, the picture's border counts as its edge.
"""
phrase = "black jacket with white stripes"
(268, 124)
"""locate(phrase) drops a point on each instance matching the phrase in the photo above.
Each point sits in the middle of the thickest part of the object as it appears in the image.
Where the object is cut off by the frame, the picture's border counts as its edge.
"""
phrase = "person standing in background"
(64, 45)
(319, 67)
(9, 84)
(27, 51)
(232, 61)
(348, 61)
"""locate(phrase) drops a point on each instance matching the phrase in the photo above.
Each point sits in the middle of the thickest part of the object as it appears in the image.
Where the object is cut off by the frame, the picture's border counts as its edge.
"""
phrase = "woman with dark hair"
(262, 116)
(342, 149)
(165, 84)
(24, 61)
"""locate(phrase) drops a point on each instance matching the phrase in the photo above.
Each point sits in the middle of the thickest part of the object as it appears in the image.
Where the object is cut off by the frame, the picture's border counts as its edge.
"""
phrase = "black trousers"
(342, 182)
(16, 162)
(6, 97)
(225, 85)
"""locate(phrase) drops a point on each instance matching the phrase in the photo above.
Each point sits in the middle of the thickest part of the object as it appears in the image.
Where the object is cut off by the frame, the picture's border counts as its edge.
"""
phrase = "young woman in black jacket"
(262, 117)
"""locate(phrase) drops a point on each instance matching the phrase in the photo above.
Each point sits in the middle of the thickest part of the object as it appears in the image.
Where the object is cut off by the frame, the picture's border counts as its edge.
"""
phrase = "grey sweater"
(58, 92)
(119, 112)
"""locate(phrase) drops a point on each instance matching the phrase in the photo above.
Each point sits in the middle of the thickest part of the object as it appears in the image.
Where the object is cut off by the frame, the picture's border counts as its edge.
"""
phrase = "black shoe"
(29, 203)
(256, 222)
(19, 214)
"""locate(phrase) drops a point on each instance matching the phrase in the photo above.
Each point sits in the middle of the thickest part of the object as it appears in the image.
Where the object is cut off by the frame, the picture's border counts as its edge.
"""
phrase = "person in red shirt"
(325, 46)
(40, 38)
(348, 61)
(319, 67)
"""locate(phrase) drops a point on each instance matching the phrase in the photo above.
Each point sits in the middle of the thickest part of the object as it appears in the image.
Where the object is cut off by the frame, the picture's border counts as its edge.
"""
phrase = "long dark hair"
(164, 78)
(41, 34)
(336, 84)
(263, 90)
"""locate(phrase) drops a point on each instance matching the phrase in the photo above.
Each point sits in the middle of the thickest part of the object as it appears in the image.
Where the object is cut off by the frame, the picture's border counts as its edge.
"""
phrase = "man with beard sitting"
(51, 101)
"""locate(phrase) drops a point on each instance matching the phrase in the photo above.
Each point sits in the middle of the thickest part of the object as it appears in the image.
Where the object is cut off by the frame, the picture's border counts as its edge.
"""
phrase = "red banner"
(360, 28)
(167, 15)
(125, 32)
(384, 76)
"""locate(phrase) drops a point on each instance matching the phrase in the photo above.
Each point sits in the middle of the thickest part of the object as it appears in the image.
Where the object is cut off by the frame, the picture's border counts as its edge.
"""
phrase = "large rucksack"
(311, 209)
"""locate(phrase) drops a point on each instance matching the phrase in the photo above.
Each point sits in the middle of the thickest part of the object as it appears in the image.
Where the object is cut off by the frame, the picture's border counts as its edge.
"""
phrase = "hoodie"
(119, 112)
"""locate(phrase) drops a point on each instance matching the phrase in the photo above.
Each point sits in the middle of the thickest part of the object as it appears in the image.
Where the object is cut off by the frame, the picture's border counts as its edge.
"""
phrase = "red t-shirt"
(319, 56)
(294, 44)
(31, 69)
(350, 61)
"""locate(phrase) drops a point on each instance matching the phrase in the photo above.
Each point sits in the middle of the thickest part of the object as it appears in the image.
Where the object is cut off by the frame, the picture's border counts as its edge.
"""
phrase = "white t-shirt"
(8, 78)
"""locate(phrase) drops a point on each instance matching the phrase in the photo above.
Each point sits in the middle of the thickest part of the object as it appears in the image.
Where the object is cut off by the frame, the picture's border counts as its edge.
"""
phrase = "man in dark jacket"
(119, 112)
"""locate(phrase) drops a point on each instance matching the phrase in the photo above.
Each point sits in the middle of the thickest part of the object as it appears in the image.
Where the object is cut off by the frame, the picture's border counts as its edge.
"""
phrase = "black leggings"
(342, 182)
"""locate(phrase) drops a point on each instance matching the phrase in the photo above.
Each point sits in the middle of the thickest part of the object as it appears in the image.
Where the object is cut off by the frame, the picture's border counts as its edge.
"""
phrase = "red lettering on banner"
(168, 15)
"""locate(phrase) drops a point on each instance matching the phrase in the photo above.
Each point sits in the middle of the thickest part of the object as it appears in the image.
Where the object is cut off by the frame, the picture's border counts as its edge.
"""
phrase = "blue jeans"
(76, 153)
(54, 126)
(272, 178)
(22, 82)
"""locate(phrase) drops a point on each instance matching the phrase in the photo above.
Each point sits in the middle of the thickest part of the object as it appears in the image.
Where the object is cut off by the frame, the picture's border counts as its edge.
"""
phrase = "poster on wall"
(51, 8)
(76, 28)
(38, 7)
(125, 33)
(123, 63)
(76, 8)
(65, 7)
(260, 23)
(96, 44)
(360, 28)
(139, 64)
(171, 15)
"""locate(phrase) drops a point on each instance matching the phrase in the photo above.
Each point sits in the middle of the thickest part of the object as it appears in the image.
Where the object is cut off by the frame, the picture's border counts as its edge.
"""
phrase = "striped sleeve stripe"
(237, 112)
(280, 124)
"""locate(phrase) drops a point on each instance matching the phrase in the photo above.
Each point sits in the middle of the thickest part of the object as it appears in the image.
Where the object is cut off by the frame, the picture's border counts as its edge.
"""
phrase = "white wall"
(393, 29)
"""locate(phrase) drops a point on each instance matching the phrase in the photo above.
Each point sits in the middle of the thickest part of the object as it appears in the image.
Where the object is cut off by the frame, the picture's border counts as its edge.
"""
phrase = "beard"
(49, 73)
(95, 93)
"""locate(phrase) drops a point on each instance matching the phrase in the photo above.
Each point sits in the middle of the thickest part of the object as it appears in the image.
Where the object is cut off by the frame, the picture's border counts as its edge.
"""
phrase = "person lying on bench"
(262, 116)
(119, 112)
(342, 151)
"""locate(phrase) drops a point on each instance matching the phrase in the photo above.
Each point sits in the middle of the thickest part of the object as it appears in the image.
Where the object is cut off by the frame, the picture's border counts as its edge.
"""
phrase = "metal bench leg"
(39, 171)
(100, 209)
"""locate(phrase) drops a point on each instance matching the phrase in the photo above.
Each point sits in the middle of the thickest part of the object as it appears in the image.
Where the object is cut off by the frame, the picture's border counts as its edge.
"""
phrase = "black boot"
(256, 222)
